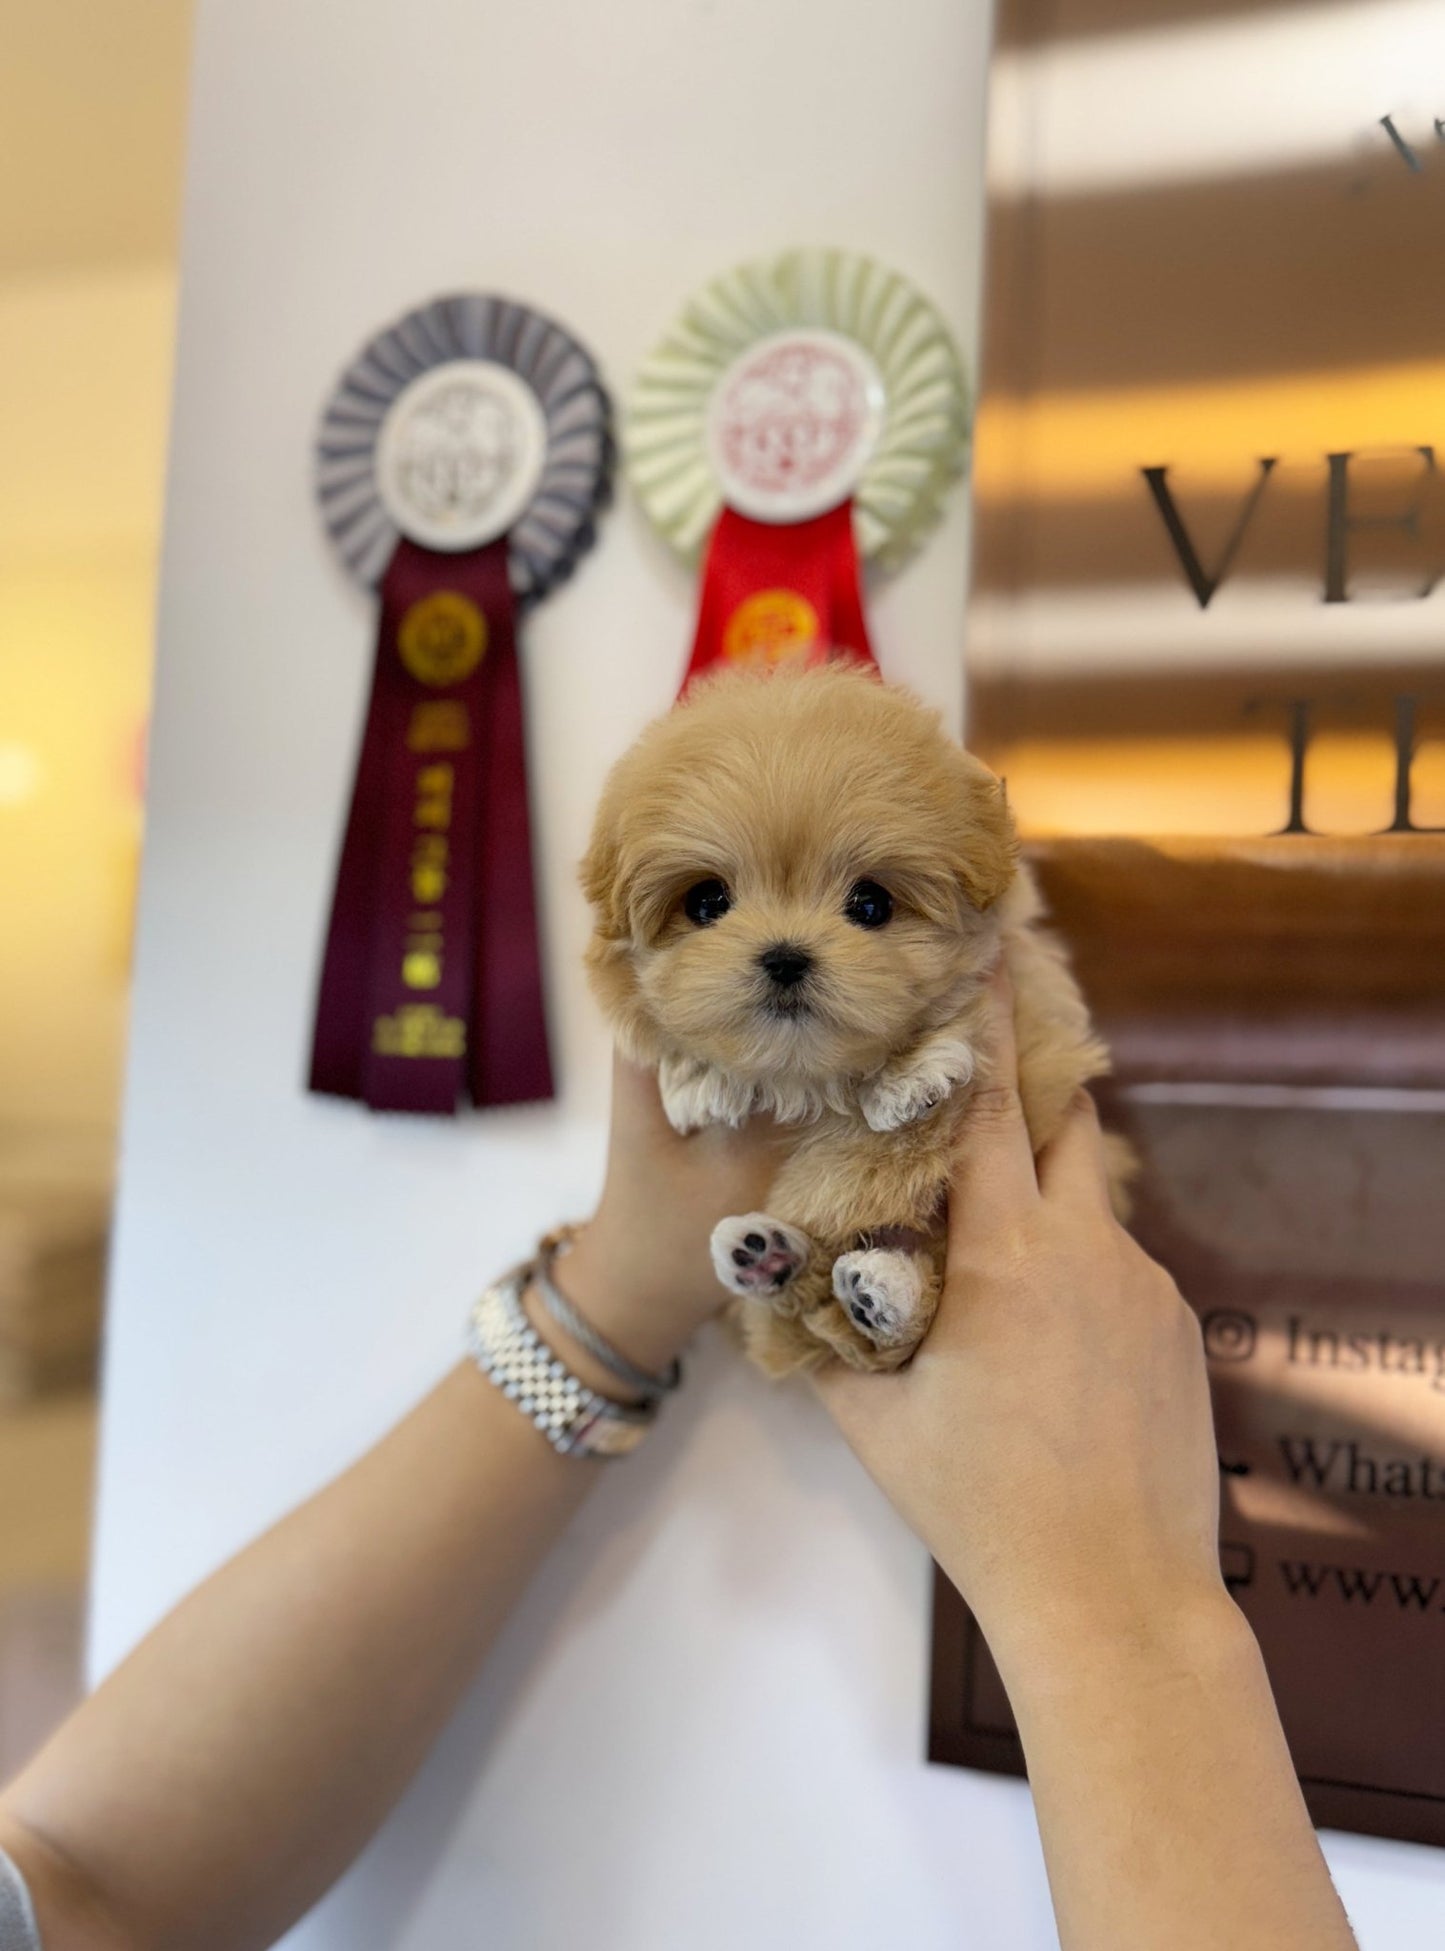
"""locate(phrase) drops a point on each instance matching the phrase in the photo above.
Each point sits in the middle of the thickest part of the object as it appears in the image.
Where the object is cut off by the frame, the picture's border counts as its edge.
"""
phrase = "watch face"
(792, 423)
(461, 453)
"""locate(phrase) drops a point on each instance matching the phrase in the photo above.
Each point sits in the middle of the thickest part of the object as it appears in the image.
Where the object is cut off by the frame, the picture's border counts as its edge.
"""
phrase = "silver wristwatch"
(574, 1419)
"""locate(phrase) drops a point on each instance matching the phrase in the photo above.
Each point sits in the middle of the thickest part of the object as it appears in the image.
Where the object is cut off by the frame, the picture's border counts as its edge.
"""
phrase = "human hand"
(1051, 1441)
(640, 1270)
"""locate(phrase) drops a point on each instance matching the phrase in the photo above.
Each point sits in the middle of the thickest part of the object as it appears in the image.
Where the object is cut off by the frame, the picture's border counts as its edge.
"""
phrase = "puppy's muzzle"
(785, 964)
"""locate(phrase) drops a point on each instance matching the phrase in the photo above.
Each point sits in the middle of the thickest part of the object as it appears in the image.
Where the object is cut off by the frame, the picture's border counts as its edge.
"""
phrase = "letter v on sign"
(1201, 581)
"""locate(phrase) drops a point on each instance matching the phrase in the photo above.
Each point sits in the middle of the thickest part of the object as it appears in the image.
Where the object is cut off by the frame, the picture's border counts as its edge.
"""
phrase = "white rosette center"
(792, 423)
(461, 454)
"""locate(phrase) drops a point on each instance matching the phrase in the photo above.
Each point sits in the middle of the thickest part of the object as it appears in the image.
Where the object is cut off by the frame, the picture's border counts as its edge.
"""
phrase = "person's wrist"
(574, 1355)
(622, 1306)
(1111, 1641)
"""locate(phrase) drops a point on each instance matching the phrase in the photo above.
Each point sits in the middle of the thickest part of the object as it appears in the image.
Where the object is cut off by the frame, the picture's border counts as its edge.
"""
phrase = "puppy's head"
(792, 875)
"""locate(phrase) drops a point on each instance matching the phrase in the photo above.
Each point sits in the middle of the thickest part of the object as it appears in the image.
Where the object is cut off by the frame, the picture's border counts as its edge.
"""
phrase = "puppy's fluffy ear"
(600, 873)
(986, 846)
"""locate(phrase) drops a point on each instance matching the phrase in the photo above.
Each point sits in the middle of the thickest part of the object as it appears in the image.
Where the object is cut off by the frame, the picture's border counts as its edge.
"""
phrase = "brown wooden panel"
(1276, 1006)
(1271, 927)
(1290, 271)
(1197, 703)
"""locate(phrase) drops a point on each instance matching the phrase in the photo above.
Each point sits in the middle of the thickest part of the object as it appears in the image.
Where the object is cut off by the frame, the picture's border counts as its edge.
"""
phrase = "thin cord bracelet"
(644, 1383)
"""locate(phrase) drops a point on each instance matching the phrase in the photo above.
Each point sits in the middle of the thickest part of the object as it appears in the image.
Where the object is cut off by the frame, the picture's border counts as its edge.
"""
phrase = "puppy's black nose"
(786, 963)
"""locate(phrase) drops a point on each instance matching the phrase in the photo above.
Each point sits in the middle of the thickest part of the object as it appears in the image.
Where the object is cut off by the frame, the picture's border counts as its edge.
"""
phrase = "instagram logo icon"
(1229, 1335)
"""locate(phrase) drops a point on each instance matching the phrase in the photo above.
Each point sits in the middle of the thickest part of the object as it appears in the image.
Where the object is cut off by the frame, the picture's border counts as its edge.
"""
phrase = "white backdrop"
(736, 1623)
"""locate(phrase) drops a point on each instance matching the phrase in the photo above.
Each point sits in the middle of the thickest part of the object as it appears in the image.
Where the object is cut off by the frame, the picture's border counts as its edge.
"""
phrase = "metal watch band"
(641, 1380)
(575, 1420)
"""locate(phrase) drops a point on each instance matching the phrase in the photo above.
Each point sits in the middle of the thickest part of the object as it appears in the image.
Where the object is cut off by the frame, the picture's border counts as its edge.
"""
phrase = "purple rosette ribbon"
(462, 462)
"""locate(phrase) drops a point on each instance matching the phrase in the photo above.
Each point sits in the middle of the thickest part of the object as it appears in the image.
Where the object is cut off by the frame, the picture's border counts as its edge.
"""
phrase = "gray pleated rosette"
(469, 415)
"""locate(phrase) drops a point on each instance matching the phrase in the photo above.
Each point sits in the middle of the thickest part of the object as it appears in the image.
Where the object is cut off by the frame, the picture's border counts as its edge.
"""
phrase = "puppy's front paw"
(757, 1255)
(901, 1094)
(883, 1293)
(694, 1096)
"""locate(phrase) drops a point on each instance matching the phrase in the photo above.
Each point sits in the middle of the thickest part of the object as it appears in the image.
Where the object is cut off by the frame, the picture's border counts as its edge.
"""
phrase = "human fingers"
(1072, 1167)
(993, 1173)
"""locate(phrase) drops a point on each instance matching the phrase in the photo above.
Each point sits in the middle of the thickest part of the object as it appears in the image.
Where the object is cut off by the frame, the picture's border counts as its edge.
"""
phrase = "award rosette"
(805, 410)
(461, 464)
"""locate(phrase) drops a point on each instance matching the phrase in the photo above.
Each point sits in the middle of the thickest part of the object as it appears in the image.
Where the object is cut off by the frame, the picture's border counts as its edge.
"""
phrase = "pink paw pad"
(756, 1254)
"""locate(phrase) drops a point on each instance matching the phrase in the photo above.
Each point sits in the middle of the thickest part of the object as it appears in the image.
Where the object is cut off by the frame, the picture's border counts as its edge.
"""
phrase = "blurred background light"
(20, 774)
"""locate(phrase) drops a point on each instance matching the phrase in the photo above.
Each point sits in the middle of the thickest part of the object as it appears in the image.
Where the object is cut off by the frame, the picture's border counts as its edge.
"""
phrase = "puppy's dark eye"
(707, 902)
(869, 905)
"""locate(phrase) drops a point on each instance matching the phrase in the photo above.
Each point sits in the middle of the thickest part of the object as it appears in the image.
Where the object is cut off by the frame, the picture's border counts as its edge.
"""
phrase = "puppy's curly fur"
(740, 827)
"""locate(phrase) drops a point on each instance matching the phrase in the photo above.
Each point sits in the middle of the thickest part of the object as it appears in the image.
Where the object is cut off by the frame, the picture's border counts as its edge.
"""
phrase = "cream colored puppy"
(800, 886)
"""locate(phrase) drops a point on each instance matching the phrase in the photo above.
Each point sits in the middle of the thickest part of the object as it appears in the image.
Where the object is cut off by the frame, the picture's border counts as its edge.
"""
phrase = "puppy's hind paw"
(884, 1294)
(756, 1255)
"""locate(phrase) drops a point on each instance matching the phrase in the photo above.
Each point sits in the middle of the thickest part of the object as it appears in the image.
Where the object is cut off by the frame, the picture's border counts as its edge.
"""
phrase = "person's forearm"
(1169, 1810)
(233, 1766)
(228, 1771)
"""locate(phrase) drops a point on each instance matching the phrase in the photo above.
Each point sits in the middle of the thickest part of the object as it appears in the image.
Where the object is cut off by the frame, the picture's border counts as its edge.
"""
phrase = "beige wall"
(84, 383)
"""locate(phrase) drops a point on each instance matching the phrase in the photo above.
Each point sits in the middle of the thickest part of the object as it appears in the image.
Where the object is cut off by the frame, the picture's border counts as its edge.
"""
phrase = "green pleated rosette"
(922, 444)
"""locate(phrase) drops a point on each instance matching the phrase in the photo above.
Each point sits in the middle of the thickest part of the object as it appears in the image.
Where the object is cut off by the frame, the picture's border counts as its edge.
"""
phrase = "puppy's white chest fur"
(694, 1095)
(904, 1091)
